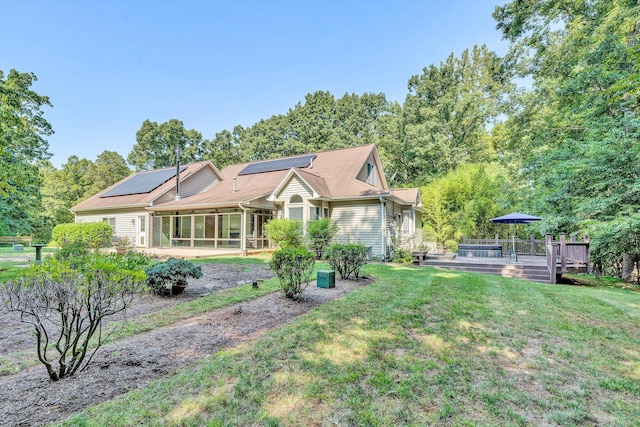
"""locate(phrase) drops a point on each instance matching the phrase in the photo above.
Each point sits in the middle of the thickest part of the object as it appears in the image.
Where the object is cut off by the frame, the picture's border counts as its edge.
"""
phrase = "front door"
(142, 231)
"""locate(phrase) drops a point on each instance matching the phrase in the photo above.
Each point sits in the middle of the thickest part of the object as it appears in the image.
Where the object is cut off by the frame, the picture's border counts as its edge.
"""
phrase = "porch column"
(243, 232)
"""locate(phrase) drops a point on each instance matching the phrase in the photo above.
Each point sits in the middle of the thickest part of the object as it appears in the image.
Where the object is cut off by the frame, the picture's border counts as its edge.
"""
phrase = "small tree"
(320, 233)
(284, 233)
(67, 306)
(294, 267)
(347, 259)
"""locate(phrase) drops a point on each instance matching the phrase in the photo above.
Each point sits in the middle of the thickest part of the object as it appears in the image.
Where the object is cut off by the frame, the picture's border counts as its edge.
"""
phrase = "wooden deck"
(532, 268)
(561, 256)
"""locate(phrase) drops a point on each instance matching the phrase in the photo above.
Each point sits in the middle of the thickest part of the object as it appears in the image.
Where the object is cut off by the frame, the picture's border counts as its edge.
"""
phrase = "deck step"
(526, 272)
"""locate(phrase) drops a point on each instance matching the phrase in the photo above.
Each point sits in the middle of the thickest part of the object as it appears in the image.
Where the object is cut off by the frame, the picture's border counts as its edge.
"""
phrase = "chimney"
(178, 173)
(234, 184)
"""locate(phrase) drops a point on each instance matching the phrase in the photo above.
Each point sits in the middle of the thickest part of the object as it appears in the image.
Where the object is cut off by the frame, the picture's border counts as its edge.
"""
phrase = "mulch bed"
(30, 398)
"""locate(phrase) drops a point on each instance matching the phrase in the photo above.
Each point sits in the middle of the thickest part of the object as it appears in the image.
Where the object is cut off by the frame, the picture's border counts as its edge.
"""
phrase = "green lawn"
(419, 347)
(10, 268)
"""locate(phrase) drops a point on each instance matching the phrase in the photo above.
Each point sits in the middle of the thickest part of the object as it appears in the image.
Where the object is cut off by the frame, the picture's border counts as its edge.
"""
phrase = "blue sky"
(109, 65)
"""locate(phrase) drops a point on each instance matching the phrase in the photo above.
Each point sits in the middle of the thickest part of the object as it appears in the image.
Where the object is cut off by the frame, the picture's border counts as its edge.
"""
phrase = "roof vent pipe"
(234, 184)
(178, 172)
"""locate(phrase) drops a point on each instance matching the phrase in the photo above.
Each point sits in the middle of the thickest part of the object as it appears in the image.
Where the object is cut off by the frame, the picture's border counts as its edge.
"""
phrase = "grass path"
(419, 347)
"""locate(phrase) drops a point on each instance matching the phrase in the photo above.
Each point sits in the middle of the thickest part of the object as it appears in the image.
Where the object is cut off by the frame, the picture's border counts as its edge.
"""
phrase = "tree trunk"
(627, 267)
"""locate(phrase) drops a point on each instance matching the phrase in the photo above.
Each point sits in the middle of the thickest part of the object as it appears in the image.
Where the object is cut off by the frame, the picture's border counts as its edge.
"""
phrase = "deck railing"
(565, 255)
(574, 251)
(531, 246)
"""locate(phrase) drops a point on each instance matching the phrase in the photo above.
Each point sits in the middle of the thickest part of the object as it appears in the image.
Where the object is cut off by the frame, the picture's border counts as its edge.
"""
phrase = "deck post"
(547, 239)
(464, 239)
(586, 240)
(573, 238)
(497, 239)
(533, 245)
(563, 252)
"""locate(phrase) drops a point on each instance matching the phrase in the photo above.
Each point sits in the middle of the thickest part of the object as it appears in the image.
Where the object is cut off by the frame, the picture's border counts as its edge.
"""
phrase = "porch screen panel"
(210, 226)
(156, 231)
(198, 231)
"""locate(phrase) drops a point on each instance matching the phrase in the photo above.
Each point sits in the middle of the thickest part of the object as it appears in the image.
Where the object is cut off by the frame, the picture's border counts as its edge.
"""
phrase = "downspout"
(383, 222)
(243, 230)
(178, 173)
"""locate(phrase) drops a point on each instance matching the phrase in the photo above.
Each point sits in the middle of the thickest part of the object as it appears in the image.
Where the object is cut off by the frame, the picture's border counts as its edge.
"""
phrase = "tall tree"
(448, 111)
(224, 149)
(319, 123)
(156, 145)
(55, 203)
(582, 121)
(22, 130)
(108, 168)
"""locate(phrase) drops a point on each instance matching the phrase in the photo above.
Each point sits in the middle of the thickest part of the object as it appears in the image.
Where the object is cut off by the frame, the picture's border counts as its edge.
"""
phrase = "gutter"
(383, 222)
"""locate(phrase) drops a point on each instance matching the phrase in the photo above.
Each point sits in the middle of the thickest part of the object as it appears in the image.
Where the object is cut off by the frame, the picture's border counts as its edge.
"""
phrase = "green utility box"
(326, 279)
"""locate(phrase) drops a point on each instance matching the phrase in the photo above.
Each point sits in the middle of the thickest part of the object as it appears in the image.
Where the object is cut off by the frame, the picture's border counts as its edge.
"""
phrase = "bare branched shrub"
(67, 307)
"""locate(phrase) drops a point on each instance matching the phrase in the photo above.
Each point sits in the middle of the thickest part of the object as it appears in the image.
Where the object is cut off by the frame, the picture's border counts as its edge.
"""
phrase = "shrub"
(294, 267)
(73, 253)
(92, 234)
(67, 306)
(284, 233)
(347, 259)
(320, 233)
(403, 256)
(173, 272)
(451, 245)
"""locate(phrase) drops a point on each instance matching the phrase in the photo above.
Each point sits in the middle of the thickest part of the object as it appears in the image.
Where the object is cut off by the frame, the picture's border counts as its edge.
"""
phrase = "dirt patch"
(29, 398)
(15, 335)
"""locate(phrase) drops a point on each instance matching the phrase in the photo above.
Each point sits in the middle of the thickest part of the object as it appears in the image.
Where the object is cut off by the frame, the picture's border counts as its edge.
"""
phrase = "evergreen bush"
(91, 234)
(173, 272)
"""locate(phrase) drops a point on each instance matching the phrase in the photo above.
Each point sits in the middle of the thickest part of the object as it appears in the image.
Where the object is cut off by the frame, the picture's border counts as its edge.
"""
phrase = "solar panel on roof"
(142, 183)
(278, 164)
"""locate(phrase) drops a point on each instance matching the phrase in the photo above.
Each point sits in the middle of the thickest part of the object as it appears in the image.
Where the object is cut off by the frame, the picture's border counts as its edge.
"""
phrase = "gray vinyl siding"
(166, 197)
(126, 221)
(362, 174)
(197, 183)
(295, 186)
(358, 223)
(200, 181)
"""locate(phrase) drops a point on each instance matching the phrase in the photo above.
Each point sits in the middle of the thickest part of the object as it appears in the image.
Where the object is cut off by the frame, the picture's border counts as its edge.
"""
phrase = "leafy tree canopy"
(156, 145)
(22, 130)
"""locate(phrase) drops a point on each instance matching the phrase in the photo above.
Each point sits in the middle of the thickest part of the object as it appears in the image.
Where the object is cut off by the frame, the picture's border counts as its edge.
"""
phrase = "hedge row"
(92, 234)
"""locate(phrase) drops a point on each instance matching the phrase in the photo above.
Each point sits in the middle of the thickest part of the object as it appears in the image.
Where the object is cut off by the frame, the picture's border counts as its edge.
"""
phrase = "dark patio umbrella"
(515, 218)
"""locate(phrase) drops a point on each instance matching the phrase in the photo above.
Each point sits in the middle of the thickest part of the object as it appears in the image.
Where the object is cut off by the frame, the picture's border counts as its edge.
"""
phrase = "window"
(295, 213)
(407, 223)
(315, 212)
(111, 221)
(371, 174)
(325, 213)
(295, 207)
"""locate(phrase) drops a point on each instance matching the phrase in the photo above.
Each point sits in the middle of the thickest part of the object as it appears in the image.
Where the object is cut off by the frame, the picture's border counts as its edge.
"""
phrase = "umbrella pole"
(513, 238)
